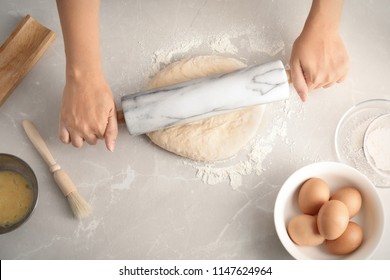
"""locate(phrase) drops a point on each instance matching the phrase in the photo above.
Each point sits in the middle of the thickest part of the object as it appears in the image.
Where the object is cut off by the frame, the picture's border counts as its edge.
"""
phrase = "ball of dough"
(215, 138)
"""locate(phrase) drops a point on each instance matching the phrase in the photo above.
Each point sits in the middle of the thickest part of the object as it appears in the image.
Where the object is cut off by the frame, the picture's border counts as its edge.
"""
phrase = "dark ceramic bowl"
(15, 164)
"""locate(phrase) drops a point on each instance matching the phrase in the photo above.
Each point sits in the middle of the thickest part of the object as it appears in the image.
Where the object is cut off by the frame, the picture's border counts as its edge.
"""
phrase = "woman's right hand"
(88, 111)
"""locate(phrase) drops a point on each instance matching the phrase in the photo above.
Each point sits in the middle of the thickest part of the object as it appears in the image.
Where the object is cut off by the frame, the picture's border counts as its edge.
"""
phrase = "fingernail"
(303, 96)
(111, 146)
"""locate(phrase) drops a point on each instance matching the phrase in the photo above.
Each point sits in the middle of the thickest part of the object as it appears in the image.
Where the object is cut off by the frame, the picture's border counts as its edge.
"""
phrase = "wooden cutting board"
(18, 54)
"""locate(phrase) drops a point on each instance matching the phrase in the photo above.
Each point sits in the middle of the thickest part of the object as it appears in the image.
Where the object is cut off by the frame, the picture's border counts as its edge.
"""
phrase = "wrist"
(83, 61)
(321, 25)
(324, 16)
(83, 71)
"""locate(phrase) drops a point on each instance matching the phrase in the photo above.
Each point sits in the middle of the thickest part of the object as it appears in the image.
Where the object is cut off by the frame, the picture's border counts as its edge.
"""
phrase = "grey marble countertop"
(148, 203)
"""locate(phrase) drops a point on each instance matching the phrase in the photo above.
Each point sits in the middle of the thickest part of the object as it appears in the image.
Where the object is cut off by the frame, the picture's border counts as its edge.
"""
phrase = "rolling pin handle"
(120, 116)
(288, 73)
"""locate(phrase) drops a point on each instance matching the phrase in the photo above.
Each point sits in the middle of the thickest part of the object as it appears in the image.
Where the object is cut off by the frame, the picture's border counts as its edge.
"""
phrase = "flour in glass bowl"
(376, 144)
(351, 144)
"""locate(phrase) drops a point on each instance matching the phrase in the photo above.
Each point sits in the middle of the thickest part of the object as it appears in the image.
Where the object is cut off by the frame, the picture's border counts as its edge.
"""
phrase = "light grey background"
(149, 204)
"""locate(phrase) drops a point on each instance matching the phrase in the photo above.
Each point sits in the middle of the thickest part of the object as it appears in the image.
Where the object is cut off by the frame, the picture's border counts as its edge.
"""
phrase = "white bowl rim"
(298, 177)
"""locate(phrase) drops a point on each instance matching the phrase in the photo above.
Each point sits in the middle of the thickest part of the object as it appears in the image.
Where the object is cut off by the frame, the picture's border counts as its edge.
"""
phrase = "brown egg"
(351, 197)
(333, 219)
(303, 230)
(348, 242)
(312, 194)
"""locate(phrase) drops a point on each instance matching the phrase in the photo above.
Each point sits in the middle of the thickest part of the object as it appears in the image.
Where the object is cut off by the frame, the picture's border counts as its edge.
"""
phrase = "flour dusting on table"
(255, 154)
(251, 40)
(250, 160)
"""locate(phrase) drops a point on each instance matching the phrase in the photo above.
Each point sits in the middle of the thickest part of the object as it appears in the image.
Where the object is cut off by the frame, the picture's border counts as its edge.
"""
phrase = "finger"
(315, 83)
(342, 79)
(91, 139)
(77, 141)
(111, 131)
(320, 84)
(298, 80)
(328, 85)
(64, 135)
(319, 81)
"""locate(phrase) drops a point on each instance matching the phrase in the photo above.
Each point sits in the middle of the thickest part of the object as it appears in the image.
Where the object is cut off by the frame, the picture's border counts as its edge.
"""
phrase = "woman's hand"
(88, 109)
(319, 57)
(88, 112)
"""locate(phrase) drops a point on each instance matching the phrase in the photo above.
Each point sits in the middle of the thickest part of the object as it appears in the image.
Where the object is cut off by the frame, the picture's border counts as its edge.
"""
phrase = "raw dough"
(215, 138)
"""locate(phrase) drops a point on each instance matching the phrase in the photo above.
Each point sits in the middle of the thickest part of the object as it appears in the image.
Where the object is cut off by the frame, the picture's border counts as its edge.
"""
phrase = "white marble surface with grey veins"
(202, 98)
(148, 203)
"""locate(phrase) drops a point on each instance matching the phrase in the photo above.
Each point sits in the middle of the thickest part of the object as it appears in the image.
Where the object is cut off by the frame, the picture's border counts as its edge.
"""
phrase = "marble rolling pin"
(202, 98)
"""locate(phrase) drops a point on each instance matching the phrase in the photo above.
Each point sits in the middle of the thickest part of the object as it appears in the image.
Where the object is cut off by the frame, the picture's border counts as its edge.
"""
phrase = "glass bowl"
(351, 132)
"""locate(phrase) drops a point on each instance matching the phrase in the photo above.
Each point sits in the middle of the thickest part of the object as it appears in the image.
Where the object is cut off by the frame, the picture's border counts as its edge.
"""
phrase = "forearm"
(80, 28)
(324, 15)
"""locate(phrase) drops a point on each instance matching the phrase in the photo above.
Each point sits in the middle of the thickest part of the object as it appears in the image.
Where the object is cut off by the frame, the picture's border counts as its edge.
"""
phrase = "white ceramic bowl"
(337, 175)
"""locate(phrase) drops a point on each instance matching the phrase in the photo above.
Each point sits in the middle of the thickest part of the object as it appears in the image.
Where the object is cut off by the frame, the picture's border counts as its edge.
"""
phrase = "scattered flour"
(251, 40)
(161, 58)
(263, 41)
(252, 158)
(222, 44)
(231, 170)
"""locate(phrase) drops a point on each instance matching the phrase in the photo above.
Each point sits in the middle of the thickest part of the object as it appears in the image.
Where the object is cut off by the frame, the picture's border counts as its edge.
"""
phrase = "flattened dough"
(215, 138)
